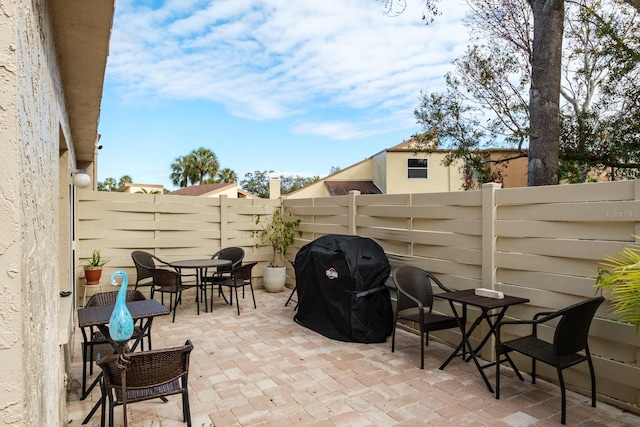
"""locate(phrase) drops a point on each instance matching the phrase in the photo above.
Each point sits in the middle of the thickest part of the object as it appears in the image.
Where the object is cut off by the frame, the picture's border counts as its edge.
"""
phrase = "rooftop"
(263, 369)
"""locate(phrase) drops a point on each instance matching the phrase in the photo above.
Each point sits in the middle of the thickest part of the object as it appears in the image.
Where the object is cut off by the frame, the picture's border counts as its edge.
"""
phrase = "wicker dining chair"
(415, 304)
(170, 281)
(145, 262)
(233, 254)
(570, 344)
(136, 377)
(93, 337)
(240, 278)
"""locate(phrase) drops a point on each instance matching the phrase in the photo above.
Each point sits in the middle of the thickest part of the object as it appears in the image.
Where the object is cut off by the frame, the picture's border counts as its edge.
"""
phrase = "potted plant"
(279, 234)
(619, 278)
(93, 268)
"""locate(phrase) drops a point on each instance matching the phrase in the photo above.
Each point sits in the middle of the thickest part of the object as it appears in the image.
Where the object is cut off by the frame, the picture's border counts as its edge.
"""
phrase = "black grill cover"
(340, 281)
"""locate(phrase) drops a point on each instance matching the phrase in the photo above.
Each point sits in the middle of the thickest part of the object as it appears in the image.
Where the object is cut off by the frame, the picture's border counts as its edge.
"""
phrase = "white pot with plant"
(279, 234)
(93, 268)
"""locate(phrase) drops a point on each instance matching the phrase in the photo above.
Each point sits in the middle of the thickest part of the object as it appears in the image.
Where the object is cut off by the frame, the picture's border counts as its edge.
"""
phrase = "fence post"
(353, 212)
(489, 214)
(224, 221)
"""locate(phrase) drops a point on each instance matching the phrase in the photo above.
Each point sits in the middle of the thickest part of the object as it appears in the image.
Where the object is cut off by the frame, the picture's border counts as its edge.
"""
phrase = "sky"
(295, 87)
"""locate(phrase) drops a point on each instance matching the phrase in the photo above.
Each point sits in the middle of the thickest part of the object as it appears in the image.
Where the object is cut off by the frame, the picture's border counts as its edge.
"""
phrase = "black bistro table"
(486, 305)
(99, 317)
(201, 266)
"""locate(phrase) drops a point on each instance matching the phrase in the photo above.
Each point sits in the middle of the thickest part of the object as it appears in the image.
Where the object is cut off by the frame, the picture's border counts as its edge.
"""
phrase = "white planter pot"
(274, 278)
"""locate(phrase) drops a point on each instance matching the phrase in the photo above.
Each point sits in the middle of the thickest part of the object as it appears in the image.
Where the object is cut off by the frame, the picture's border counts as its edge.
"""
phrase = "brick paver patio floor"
(263, 369)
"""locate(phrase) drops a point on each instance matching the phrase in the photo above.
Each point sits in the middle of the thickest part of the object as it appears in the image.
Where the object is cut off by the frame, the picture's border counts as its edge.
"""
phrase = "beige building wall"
(439, 177)
(37, 201)
(30, 365)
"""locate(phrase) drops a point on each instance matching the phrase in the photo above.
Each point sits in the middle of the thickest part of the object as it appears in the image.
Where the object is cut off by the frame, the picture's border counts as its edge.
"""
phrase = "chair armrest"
(439, 283)
(543, 313)
(417, 302)
(499, 325)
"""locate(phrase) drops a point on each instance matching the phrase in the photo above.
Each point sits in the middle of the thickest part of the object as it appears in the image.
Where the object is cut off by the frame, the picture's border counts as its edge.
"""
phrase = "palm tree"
(124, 179)
(181, 172)
(227, 175)
(202, 162)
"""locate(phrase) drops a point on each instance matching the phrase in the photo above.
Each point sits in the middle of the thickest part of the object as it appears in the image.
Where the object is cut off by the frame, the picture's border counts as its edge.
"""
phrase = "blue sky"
(291, 86)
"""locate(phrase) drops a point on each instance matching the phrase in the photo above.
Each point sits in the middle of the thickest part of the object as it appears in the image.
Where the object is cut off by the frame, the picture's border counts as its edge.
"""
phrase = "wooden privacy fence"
(541, 243)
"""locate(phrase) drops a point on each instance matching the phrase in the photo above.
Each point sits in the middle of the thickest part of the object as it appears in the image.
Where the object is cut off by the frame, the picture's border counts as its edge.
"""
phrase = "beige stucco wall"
(440, 177)
(31, 120)
(379, 171)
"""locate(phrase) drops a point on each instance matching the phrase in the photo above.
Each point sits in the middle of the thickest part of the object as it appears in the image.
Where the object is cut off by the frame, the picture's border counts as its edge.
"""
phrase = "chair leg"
(393, 336)
(175, 307)
(497, 373)
(593, 380)
(421, 348)
(237, 300)
(186, 410)
(252, 295)
(84, 368)
(563, 396)
(533, 371)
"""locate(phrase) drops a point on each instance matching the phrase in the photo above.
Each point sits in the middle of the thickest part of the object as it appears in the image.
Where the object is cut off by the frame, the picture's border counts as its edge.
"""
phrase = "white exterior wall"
(31, 372)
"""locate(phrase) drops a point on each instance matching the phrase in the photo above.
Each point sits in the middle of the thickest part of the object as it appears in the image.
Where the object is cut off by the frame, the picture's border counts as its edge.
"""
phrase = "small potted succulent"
(93, 268)
(279, 234)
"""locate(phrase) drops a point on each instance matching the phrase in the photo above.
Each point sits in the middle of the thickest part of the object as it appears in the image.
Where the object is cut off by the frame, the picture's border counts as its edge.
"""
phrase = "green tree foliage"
(226, 175)
(487, 99)
(600, 125)
(195, 168)
(257, 182)
(546, 73)
(292, 183)
(110, 184)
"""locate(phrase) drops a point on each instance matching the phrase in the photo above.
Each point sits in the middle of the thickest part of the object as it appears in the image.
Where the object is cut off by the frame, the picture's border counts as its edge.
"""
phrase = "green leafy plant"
(619, 278)
(96, 260)
(277, 233)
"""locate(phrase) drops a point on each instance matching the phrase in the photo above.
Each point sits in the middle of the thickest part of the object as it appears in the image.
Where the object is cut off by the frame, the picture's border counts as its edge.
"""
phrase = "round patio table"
(201, 266)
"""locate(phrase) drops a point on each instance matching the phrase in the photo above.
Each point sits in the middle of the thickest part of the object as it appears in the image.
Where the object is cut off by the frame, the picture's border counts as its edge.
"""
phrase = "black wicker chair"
(145, 262)
(240, 278)
(136, 377)
(235, 255)
(170, 281)
(569, 347)
(93, 337)
(415, 304)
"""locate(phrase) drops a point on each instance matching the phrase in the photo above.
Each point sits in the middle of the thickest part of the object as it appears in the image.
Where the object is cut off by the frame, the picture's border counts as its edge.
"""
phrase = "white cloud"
(274, 59)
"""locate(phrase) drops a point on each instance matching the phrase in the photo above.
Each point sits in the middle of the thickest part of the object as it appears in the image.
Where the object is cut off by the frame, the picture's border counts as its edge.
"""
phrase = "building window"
(417, 168)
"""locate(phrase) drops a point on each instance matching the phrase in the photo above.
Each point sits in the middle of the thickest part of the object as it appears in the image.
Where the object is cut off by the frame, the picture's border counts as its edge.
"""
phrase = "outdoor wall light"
(81, 178)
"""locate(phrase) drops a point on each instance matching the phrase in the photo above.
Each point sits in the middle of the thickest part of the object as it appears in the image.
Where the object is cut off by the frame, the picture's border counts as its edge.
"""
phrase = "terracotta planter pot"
(92, 275)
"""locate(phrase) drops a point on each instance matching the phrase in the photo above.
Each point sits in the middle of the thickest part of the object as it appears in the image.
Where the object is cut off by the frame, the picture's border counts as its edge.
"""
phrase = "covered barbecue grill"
(341, 289)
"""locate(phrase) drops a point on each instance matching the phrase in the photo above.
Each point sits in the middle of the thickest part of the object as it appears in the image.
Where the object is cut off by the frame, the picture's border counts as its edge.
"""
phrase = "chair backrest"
(147, 369)
(109, 298)
(416, 282)
(166, 279)
(244, 271)
(572, 332)
(144, 264)
(234, 254)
